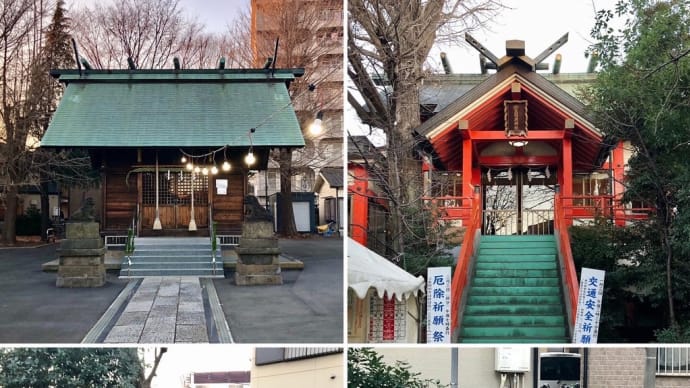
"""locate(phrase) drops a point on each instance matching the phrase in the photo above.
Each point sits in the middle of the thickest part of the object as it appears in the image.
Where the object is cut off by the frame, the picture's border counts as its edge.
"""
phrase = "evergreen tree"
(45, 91)
(366, 368)
(70, 367)
(641, 95)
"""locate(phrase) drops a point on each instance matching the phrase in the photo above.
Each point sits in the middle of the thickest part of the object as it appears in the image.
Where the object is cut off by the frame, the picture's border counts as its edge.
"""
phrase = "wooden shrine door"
(174, 200)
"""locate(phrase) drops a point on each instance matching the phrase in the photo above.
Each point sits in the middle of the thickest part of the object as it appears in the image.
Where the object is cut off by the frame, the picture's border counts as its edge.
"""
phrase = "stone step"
(158, 252)
(484, 258)
(515, 340)
(513, 320)
(513, 309)
(514, 273)
(177, 266)
(202, 272)
(517, 250)
(171, 258)
(514, 331)
(511, 244)
(518, 238)
(517, 281)
(517, 265)
(515, 290)
(513, 299)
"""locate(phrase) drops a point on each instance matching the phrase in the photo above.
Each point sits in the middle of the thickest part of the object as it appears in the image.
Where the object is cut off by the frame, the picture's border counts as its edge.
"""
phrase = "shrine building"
(512, 159)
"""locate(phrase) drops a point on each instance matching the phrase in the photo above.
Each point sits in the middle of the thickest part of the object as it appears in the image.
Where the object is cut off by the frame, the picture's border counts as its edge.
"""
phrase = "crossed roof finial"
(516, 49)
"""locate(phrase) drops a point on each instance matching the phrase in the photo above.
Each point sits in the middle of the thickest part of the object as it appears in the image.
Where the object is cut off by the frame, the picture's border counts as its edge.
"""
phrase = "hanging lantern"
(250, 158)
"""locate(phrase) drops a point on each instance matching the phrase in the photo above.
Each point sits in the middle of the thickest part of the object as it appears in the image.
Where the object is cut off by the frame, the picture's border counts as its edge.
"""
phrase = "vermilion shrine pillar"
(566, 176)
(467, 189)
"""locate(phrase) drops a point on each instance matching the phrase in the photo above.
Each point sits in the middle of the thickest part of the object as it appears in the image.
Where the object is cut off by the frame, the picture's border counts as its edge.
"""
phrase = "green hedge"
(29, 224)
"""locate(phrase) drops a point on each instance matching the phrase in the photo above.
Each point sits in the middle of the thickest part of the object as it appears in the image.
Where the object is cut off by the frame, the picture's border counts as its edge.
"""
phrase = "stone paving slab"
(165, 301)
(163, 310)
(190, 333)
(131, 318)
(190, 318)
(190, 307)
(124, 334)
(142, 305)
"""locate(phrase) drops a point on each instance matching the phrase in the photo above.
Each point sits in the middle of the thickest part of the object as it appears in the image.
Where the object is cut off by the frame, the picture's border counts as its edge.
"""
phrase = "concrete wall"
(476, 365)
(318, 372)
(672, 382)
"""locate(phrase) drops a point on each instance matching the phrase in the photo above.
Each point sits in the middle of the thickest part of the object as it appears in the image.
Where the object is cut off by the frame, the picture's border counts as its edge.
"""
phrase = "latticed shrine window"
(174, 189)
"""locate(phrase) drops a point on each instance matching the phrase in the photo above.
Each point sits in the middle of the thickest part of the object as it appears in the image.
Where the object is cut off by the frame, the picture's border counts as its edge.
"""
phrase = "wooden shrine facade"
(128, 181)
(143, 127)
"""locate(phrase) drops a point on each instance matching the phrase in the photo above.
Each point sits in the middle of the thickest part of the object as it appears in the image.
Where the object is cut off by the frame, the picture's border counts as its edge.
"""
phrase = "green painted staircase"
(515, 295)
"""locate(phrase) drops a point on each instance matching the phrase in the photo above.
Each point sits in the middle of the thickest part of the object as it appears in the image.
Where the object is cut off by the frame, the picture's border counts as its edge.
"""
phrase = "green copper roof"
(174, 109)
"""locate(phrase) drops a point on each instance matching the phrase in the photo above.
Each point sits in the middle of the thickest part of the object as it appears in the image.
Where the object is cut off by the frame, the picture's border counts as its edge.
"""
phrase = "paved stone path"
(162, 310)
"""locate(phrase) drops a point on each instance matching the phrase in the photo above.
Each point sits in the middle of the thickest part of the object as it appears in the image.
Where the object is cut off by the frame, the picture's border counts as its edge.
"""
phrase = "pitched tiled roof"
(333, 176)
(450, 107)
(165, 108)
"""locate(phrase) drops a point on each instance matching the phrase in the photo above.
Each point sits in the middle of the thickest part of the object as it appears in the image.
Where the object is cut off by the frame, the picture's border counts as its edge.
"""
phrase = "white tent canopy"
(366, 269)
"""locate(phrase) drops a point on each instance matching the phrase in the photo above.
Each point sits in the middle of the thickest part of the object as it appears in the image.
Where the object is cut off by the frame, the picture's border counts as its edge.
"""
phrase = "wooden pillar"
(618, 167)
(566, 175)
(467, 189)
(359, 206)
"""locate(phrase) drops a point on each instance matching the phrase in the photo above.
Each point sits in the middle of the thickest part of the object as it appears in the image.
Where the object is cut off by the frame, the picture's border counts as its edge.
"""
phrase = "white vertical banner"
(438, 305)
(589, 306)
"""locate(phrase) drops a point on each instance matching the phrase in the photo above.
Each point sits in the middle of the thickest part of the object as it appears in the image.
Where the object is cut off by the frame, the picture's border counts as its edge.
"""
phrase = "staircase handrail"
(135, 221)
(129, 249)
(466, 257)
(566, 259)
(212, 235)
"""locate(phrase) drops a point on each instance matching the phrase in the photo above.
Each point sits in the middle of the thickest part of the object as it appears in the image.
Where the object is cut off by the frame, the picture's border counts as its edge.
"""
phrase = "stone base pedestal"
(81, 256)
(258, 255)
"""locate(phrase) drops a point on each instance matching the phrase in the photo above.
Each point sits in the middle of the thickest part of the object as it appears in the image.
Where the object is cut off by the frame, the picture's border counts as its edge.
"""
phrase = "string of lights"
(188, 159)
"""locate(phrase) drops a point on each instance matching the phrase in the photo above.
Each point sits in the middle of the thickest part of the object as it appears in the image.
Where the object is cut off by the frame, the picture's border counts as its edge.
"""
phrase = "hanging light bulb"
(226, 166)
(488, 175)
(250, 159)
(204, 170)
(190, 166)
(214, 170)
(197, 169)
(184, 159)
(317, 125)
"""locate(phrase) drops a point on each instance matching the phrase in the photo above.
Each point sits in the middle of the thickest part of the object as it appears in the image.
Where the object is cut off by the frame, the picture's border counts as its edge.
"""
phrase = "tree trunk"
(669, 278)
(287, 226)
(10, 223)
(45, 211)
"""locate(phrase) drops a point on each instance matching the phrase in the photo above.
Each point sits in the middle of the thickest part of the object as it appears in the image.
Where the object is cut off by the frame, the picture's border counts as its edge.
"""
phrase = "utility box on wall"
(512, 359)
